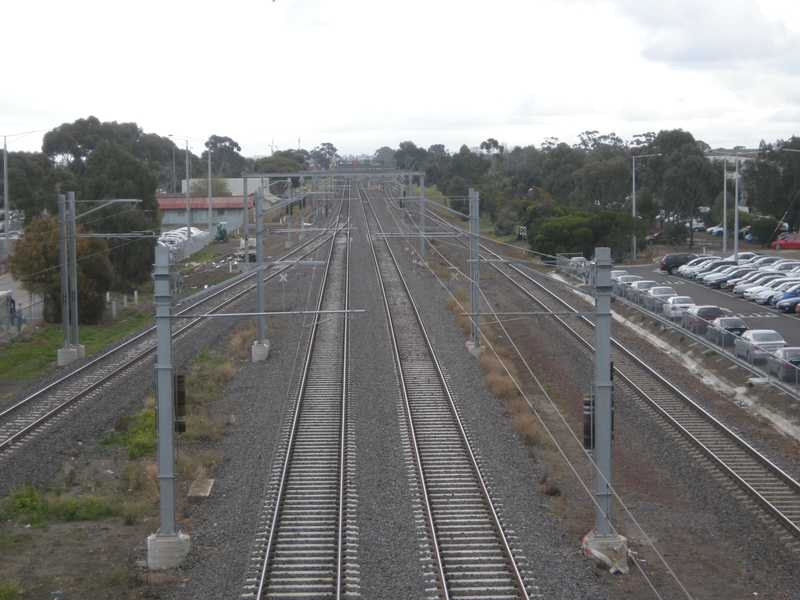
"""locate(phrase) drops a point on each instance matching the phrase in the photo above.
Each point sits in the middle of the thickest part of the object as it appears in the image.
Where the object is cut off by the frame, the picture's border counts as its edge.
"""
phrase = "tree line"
(99, 161)
(574, 198)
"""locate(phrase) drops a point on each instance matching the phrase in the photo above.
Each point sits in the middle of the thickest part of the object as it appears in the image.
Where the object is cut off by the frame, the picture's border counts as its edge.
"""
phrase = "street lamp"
(633, 165)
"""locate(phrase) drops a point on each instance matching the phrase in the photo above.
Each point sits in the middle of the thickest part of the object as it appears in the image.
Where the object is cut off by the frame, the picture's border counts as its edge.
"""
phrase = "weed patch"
(136, 434)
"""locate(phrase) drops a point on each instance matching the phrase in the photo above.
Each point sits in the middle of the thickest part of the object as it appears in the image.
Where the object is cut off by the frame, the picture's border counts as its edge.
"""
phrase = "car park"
(724, 330)
(620, 286)
(672, 262)
(784, 363)
(709, 267)
(638, 288)
(654, 298)
(757, 344)
(674, 306)
(696, 318)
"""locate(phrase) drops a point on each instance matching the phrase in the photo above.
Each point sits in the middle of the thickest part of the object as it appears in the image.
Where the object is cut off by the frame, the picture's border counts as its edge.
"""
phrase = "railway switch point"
(167, 551)
(260, 352)
(610, 551)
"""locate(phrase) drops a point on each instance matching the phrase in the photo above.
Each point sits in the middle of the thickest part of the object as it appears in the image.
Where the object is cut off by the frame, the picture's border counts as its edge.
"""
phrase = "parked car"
(720, 280)
(758, 344)
(786, 240)
(720, 268)
(766, 277)
(674, 306)
(696, 318)
(693, 263)
(784, 363)
(763, 261)
(788, 305)
(620, 286)
(617, 273)
(697, 225)
(753, 292)
(671, 262)
(716, 230)
(711, 266)
(725, 330)
(637, 288)
(767, 296)
(654, 298)
(793, 291)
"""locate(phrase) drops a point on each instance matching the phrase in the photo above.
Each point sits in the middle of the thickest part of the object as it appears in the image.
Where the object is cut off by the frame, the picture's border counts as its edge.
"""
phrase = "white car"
(756, 344)
(674, 307)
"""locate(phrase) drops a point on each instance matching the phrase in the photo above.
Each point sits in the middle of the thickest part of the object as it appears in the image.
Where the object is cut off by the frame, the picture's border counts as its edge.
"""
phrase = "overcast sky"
(362, 74)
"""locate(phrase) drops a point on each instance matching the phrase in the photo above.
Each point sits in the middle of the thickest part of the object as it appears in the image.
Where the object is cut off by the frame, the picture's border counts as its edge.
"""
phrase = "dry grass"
(198, 465)
(142, 476)
(242, 338)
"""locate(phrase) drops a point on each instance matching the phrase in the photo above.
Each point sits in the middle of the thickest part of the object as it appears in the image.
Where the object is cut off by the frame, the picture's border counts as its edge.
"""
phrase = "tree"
(225, 157)
(325, 154)
(36, 263)
(409, 157)
(557, 171)
(283, 161)
(219, 187)
(384, 156)
(34, 183)
(491, 146)
(602, 183)
(688, 184)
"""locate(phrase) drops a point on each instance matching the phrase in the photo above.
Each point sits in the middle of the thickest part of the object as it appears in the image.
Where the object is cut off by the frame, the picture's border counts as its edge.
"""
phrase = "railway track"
(470, 550)
(21, 419)
(772, 490)
(306, 536)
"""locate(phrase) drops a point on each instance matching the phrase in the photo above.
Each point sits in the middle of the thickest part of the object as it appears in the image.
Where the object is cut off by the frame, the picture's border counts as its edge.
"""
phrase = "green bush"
(137, 435)
(29, 502)
(9, 591)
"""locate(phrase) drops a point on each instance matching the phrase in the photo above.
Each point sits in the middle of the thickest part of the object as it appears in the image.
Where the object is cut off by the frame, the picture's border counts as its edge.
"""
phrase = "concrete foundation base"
(81, 350)
(260, 351)
(610, 551)
(245, 266)
(167, 551)
(288, 245)
(66, 356)
(475, 350)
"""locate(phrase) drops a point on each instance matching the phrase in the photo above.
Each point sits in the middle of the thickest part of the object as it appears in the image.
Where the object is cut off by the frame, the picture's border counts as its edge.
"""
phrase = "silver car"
(674, 307)
(758, 344)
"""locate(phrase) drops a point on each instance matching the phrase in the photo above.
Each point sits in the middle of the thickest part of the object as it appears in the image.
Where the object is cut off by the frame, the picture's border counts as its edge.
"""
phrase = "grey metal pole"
(174, 186)
(314, 187)
(259, 200)
(5, 196)
(246, 225)
(188, 202)
(736, 215)
(724, 204)
(474, 297)
(633, 170)
(602, 386)
(62, 243)
(73, 268)
(209, 190)
(164, 372)
(422, 216)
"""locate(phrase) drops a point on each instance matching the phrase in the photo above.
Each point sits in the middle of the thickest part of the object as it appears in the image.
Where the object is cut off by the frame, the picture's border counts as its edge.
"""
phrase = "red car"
(696, 318)
(786, 240)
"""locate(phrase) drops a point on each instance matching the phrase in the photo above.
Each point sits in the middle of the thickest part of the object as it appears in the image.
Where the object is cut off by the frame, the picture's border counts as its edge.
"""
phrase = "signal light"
(180, 403)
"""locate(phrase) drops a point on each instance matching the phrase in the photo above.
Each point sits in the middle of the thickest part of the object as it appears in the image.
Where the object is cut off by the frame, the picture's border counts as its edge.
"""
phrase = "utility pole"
(602, 544)
(167, 548)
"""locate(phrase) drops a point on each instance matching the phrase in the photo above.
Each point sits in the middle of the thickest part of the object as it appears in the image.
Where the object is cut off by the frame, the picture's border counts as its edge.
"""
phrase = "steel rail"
(112, 354)
(737, 441)
(294, 433)
(466, 446)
